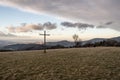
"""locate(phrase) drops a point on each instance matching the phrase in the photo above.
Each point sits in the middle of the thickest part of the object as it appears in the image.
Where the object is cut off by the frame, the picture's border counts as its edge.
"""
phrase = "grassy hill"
(62, 64)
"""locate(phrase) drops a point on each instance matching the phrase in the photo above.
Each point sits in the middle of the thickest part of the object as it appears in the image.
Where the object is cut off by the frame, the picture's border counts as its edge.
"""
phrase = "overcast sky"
(61, 18)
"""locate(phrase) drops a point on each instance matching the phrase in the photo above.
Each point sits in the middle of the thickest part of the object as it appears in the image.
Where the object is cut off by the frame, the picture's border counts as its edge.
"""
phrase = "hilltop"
(63, 64)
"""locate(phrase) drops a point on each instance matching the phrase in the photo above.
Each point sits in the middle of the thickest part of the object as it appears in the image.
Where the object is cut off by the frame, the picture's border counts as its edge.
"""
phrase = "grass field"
(62, 64)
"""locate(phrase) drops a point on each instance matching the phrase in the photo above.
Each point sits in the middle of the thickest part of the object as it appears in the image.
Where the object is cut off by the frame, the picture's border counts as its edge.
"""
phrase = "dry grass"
(63, 64)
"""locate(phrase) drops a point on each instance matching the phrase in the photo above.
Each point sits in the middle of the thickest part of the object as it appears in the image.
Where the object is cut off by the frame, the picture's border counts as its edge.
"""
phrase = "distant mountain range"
(64, 43)
(37, 46)
(7, 45)
(116, 38)
(19, 47)
(93, 40)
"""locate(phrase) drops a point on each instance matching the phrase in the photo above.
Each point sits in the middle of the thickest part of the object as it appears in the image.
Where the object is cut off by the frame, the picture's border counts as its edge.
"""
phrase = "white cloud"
(2, 34)
(31, 27)
(92, 11)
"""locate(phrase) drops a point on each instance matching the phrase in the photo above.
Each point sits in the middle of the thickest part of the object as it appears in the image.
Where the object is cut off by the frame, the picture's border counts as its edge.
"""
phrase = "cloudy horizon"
(61, 18)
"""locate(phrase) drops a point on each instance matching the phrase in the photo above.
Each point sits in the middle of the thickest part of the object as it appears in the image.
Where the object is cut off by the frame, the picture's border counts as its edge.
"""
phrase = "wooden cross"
(45, 40)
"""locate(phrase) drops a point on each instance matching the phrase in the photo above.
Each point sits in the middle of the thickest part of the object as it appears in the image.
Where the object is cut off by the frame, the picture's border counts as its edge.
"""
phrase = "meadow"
(102, 63)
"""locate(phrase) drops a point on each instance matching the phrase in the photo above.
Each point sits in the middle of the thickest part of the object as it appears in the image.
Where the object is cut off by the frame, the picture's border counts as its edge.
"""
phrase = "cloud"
(11, 29)
(101, 26)
(6, 35)
(26, 28)
(94, 11)
(31, 27)
(84, 25)
(68, 24)
(109, 23)
(49, 26)
(105, 25)
(77, 25)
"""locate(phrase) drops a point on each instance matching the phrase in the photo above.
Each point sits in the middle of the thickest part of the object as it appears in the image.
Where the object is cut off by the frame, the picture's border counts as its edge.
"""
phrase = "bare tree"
(77, 41)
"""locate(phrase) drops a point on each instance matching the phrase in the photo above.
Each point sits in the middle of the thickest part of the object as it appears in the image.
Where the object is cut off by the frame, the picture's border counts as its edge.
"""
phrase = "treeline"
(5, 50)
(104, 43)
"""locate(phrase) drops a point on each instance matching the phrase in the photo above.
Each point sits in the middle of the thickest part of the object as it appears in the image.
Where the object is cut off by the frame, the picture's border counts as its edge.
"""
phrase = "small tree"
(77, 41)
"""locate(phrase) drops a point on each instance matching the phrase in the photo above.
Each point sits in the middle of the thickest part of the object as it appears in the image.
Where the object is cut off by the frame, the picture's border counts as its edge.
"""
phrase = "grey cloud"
(77, 25)
(68, 24)
(101, 26)
(105, 25)
(84, 25)
(109, 23)
(23, 24)
(49, 26)
(31, 27)
(94, 11)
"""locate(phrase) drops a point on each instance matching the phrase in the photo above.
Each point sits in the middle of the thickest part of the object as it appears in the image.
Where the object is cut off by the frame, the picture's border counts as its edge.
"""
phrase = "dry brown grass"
(62, 64)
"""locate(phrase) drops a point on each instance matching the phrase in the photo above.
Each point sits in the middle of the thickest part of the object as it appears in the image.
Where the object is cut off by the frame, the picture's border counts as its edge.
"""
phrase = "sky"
(24, 20)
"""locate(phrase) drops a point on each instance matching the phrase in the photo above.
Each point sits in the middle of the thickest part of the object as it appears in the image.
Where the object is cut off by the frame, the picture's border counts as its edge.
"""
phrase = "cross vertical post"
(45, 40)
